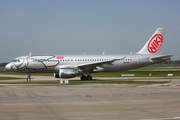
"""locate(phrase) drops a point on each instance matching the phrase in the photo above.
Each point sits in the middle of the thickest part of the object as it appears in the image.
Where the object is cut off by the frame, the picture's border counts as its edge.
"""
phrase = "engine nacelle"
(66, 73)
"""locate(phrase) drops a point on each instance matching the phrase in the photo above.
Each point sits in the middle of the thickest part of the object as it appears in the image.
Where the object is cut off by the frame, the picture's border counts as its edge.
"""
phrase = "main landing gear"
(29, 77)
(83, 77)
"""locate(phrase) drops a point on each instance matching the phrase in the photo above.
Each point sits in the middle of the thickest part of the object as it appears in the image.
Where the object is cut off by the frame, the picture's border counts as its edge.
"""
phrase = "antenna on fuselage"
(29, 55)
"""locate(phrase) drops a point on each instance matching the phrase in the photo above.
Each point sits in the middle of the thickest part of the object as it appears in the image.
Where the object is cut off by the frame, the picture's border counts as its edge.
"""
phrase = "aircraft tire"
(28, 80)
(83, 77)
(89, 77)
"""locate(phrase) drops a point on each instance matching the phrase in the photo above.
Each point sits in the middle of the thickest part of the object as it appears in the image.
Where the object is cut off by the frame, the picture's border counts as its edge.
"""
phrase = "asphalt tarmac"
(90, 102)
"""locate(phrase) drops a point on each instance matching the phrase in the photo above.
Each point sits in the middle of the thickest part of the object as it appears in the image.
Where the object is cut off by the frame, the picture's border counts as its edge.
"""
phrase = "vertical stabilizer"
(154, 44)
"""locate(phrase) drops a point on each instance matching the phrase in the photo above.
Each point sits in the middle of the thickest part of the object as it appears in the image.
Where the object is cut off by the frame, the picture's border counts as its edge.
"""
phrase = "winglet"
(154, 44)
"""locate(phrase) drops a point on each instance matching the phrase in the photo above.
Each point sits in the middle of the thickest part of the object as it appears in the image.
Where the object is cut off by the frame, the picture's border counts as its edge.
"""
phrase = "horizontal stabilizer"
(160, 58)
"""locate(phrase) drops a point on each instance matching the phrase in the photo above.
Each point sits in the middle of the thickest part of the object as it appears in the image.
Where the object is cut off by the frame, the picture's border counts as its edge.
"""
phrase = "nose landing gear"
(29, 77)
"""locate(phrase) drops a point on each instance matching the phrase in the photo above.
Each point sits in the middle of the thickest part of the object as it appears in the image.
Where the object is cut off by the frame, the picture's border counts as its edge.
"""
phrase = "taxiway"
(87, 102)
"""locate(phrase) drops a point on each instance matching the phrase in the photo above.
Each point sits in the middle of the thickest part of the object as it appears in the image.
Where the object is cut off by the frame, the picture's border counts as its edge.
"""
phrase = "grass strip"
(32, 82)
(79, 82)
(9, 78)
(111, 74)
(116, 82)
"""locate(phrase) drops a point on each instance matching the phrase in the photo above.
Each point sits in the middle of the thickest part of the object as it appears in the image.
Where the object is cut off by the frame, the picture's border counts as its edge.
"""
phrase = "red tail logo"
(155, 43)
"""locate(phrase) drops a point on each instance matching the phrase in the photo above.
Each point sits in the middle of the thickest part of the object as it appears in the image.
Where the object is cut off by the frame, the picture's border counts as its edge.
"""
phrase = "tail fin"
(154, 44)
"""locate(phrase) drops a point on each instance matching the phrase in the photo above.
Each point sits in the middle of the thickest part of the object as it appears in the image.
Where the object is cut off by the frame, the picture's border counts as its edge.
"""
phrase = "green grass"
(117, 82)
(9, 78)
(137, 73)
(79, 82)
(10, 73)
(23, 73)
(32, 82)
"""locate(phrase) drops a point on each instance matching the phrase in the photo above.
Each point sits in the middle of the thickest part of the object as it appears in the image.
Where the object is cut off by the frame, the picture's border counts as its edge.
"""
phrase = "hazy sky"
(85, 26)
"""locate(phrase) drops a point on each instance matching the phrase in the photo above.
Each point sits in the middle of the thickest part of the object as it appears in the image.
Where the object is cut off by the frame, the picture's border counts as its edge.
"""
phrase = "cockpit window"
(16, 60)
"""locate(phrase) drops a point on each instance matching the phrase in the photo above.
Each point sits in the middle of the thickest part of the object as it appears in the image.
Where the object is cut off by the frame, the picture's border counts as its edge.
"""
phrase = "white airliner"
(69, 66)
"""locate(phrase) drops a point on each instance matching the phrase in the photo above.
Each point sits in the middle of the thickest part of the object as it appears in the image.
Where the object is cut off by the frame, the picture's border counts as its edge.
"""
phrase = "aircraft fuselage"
(53, 63)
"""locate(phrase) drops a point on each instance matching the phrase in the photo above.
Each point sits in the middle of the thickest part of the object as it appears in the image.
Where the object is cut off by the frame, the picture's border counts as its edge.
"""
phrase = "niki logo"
(155, 43)
(60, 57)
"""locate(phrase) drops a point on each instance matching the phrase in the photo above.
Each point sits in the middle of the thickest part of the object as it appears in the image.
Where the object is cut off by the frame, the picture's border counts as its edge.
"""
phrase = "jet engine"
(66, 73)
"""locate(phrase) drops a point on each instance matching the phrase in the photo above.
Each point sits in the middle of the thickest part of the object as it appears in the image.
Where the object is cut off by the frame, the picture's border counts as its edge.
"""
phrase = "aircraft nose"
(8, 66)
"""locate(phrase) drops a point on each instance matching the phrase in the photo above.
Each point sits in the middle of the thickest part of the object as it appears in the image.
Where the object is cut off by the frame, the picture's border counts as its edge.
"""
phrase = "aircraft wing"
(165, 57)
(93, 65)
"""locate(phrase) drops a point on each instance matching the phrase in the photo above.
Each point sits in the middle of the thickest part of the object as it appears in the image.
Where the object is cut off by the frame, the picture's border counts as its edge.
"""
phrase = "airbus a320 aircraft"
(69, 66)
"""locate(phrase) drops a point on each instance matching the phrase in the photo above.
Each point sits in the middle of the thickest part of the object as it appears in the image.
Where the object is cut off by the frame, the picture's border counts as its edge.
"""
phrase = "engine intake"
(66, 73)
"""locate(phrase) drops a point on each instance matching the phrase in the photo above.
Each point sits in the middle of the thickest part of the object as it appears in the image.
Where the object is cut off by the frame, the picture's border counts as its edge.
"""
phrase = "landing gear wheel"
(28, 80)
(89, 77)
(83, 77)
